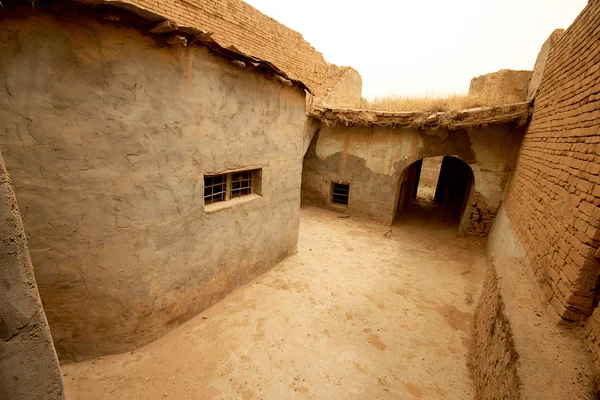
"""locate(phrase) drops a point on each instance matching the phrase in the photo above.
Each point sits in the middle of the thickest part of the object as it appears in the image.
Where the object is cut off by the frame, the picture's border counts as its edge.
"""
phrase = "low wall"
(28, 365)
(372, 160)
(518, 350)
(107, 135)
(494, 358)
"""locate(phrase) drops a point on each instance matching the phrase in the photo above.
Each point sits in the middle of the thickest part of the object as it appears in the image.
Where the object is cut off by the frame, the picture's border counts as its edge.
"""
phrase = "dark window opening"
(215, 188)
(241, 184)
(340, 193)
(224, 187)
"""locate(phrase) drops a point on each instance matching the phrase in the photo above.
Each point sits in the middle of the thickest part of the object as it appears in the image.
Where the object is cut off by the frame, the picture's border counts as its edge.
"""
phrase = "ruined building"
(159, 153)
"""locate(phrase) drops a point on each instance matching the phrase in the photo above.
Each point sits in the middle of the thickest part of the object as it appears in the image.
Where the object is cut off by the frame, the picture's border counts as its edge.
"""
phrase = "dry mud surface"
(354, 315)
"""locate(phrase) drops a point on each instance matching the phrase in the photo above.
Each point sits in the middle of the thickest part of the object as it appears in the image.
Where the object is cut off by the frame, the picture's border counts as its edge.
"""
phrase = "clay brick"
(555, 190)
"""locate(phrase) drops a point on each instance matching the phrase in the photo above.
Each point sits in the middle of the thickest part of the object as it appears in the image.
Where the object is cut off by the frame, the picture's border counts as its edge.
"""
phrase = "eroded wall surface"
(345, 89)
(505, 86)
(28, 364)
(493, 356)
(372, 160)
(540, 63)
(554, 199)
(236, 23)
(107, 133)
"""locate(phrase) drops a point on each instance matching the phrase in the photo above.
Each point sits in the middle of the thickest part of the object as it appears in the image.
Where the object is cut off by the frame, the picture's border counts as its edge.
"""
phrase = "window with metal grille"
(340, 193)
(215, 188)
(224, 187)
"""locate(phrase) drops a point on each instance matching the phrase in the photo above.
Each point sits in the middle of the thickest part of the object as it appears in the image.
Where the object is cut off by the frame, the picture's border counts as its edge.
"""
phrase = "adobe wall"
(372, 160)
(554, 200)
(345, 89)
(506, 86)
(28, 365)
(540, 63)
(236, 23)
(107, 133)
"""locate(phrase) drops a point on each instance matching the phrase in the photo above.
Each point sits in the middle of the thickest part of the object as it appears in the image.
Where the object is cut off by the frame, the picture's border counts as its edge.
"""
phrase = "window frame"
(232, 194)
(333, 194)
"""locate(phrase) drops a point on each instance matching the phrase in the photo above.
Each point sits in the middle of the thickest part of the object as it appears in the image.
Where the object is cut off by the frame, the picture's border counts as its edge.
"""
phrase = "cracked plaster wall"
(372, 159)
(107, 133)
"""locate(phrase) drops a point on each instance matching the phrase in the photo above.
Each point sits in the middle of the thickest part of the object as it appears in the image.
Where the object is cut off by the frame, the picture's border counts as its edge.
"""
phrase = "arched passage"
(447, 202)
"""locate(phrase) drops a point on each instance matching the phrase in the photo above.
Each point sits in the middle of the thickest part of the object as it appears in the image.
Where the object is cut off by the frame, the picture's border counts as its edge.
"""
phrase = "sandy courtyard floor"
(354, 315)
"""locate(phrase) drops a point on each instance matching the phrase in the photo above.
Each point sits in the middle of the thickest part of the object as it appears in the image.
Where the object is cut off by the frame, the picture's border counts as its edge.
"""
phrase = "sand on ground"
(353, 315)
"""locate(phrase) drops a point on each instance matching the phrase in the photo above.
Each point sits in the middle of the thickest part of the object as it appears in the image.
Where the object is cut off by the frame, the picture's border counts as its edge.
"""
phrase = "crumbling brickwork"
(505, 86)
(482, 216)
(234, 22)
(554, 199)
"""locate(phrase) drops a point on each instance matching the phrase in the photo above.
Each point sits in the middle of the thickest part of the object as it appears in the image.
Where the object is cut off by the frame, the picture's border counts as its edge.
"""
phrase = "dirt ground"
(354, 315)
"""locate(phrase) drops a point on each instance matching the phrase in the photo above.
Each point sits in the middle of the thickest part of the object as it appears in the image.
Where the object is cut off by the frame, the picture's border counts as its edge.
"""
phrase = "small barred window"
(225, 187)
(340, 193)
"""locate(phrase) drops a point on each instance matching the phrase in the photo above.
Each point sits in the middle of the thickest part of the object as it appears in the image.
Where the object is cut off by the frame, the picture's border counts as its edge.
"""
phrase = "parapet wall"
(236, 23)
(554, 200)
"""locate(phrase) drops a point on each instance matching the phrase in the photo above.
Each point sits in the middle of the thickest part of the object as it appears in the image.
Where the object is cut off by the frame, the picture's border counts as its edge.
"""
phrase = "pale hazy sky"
(418, 47)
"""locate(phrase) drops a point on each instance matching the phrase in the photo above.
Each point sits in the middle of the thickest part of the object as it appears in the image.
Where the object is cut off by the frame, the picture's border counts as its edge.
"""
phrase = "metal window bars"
(229, 186)
(340, 193)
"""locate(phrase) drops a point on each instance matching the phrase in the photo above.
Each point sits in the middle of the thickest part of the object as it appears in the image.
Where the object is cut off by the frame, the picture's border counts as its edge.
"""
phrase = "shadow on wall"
(450, 202)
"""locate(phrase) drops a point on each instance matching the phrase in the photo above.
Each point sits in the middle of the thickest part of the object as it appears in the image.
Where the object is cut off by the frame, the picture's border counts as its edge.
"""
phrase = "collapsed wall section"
(108, 133)
(28, 365)
(554, 199)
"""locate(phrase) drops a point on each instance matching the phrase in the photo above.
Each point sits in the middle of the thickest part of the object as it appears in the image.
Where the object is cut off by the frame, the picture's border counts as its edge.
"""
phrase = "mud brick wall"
(482, 217)
(234, 22)
(505, 86)
(554, 200)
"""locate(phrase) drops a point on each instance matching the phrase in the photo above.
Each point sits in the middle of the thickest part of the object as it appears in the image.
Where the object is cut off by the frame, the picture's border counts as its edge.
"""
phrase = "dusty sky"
(424, 47)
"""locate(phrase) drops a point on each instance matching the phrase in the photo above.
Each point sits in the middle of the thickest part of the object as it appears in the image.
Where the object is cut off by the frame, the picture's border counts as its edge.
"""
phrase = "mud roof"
(175, 34)
(518, 113)
(195, 35)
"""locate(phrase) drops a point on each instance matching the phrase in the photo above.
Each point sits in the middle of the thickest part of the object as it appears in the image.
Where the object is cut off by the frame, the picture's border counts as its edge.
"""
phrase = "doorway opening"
(437, 190)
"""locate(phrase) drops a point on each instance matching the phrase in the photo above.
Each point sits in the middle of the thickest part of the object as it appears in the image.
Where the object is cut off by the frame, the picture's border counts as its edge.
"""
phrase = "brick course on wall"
(554, 200)
(233, 22)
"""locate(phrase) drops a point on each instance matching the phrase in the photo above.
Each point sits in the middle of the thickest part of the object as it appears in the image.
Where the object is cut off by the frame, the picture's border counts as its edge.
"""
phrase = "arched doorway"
(436, 189)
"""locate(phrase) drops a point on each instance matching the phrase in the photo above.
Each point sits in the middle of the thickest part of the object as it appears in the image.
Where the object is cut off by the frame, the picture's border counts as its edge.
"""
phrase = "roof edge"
(197, 36)
(496, 115)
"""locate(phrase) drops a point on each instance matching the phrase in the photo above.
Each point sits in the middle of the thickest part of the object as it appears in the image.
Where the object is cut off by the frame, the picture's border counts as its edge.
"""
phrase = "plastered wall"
(372, 160)
(234, 22)
(107, 133)
(554, 199)
(28, 365)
